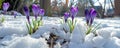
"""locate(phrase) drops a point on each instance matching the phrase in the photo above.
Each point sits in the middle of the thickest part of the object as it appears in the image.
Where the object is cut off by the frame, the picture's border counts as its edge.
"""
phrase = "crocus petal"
(66, 15)
(73, 11)
(26, 12)
(42, 12)
(87, 16)
(6, 6)
(93, 14)
(35, 9)
(86, 12)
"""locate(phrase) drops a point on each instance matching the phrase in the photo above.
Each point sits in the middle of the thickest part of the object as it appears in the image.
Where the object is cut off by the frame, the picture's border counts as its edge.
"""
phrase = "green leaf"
(93, 29)
(29, 28)
(34, 26)
(89, 30)
(96, 27)
(2, 19)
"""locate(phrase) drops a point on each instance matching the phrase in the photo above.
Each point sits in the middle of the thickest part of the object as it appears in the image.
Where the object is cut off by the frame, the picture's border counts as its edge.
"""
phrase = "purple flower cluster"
(72, 14)
(90, 15)
(36, 11)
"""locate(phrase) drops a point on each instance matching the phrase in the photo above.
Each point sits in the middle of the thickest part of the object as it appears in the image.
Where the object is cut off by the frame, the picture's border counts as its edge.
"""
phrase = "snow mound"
(13, 27)
(23, 42)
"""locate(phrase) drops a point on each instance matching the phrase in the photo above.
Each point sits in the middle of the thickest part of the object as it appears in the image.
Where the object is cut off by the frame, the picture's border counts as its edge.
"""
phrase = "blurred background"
(104, 8)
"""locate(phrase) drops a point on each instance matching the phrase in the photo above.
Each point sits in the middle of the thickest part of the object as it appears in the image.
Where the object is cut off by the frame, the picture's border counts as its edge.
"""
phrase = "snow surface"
(14, 34)
(22, 42)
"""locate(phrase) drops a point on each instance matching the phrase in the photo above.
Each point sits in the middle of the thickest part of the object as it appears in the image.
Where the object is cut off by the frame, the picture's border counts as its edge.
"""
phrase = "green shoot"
(2, 19)
(93, 28)
(70, 24)
(34, 25)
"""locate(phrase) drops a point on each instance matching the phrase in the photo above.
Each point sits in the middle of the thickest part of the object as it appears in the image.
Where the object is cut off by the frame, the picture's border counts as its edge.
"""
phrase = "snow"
(14, 34)
(98, 41)
(104, 32)
(57, 45)
(79, 33)
(23, 42)
(13, 27)
(116, 33)
(65, 27)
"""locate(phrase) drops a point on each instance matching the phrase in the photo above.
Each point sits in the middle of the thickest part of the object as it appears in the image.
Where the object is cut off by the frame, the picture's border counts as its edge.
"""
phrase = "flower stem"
(51, 45)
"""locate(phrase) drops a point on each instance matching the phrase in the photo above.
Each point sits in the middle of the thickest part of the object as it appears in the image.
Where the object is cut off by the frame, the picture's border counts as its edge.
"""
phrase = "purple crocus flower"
(26, 12)
(6, 6)
(73, 11)
(41, 12)
(35, 10)
(66, 16)
(90, 15)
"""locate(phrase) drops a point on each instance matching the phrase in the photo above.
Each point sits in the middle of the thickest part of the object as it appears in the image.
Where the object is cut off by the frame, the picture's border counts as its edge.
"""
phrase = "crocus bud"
(73, 11)
(35, 10)
(41, 12)
(66, 15)
(90, 15)
(5, 7)
(26, 12)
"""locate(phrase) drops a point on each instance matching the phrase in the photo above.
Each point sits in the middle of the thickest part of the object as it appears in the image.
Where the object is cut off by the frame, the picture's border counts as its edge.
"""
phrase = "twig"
(51, 44)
